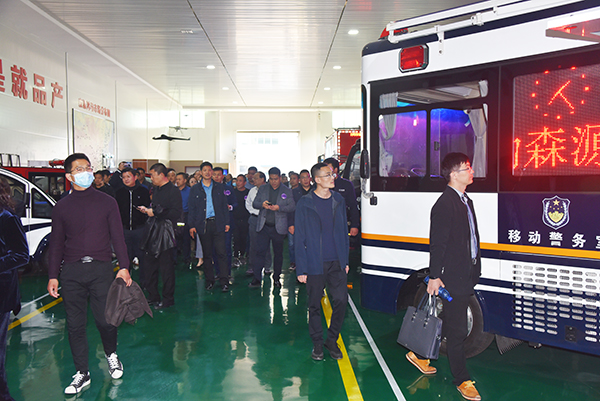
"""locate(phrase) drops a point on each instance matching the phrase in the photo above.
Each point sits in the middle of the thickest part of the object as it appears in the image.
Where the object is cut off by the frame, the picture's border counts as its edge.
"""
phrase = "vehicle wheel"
(477, 340)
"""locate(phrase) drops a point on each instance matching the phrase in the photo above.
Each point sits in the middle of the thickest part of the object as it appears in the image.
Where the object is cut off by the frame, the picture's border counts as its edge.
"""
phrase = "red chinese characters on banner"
(39, 94)
(19, 78)
(556, 127)
(56, 92)
(2, 89)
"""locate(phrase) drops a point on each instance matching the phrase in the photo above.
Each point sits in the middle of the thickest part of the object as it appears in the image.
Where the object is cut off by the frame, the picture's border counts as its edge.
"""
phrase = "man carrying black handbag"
(454, 263)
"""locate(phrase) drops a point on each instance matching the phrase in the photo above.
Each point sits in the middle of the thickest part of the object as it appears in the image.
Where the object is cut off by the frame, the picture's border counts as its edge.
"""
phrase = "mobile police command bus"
(515, 85)
(34, 206)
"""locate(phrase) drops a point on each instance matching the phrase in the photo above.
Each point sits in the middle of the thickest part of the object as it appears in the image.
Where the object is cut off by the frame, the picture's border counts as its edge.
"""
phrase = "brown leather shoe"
(421, 364)
(468, 391)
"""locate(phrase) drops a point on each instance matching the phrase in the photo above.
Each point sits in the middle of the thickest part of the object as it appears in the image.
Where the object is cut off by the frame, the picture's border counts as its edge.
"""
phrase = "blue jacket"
(14, 253)
(197, 207)
(307, 237)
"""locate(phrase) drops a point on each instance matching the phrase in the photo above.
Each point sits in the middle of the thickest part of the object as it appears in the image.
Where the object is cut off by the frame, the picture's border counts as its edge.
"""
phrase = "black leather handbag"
(421, 330)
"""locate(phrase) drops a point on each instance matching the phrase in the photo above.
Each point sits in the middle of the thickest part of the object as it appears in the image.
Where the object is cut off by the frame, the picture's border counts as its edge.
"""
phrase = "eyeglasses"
(81, 169)
(465, 169)
(328, 175)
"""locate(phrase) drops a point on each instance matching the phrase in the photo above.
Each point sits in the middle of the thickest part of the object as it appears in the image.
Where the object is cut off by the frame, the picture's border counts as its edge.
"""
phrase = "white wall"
(217, 141)
(38, 132)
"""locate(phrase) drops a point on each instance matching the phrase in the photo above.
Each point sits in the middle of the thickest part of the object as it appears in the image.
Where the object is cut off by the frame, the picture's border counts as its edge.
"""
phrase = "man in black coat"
(166, 205)
(209, 218)
(345, 188)
(455, 264)
(129, 198)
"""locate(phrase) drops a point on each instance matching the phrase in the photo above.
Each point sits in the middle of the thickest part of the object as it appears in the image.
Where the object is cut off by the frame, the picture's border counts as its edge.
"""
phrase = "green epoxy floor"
(253, 344)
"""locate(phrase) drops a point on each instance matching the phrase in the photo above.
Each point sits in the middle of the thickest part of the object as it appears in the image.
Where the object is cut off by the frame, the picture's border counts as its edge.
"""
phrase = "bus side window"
(403, 144)
(41, 208)
(459, 130)
(17, 191)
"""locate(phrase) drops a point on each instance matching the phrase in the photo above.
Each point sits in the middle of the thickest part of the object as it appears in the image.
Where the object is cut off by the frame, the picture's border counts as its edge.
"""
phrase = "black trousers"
(265, 237)
(213, 239)
(4, 321)
(165, 264)
(79, 281)
(455, 330)
(133, 240)
(337, 289)
(240, 236)
(252, 239)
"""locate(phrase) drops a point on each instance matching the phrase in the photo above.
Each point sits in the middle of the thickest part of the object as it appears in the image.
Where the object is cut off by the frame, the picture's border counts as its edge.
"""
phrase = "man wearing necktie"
(454, 263)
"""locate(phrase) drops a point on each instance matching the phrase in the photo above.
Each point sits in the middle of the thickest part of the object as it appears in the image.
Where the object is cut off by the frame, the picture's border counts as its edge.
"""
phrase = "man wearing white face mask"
(84, 225)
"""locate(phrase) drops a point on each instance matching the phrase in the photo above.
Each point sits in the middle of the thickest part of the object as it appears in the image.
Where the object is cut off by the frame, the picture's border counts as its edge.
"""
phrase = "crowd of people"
(207, 220)
(232, 223)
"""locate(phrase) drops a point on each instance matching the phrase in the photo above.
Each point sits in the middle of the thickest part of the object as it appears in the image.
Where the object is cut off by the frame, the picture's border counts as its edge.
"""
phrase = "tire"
(477, 340)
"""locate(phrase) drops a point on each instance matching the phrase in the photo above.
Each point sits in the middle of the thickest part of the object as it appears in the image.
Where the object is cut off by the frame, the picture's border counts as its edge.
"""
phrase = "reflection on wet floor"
(253, 344)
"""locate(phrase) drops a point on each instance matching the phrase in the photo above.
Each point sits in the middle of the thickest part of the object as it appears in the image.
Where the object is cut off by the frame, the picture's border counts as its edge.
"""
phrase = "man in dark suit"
(209, 218)
(455, 264)
(274, 201)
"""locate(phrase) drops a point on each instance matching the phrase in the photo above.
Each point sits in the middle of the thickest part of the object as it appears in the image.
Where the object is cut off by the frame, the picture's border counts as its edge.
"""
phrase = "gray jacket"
(285, 200)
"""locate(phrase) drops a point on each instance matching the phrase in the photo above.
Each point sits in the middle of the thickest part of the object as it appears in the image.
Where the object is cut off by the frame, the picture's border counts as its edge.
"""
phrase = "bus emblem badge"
(556, 212)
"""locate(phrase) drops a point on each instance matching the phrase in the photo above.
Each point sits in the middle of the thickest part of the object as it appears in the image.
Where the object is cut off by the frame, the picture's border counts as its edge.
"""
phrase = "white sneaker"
(115, 367)
(80, 381)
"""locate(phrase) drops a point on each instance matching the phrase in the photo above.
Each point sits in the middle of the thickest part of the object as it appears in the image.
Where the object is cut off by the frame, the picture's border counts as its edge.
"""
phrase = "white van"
(35, 208)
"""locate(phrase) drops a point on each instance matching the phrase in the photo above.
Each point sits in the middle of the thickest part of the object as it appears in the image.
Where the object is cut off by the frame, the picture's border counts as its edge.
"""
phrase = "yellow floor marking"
(35, 313)
(348, 376)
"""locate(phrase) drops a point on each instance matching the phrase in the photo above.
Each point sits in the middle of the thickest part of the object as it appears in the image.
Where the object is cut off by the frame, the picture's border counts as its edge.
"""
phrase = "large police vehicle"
(516, 86)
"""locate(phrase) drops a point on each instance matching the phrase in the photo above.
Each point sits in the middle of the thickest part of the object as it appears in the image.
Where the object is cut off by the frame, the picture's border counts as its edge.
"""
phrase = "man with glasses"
(455, 264)
(84, 225)
(322, 246)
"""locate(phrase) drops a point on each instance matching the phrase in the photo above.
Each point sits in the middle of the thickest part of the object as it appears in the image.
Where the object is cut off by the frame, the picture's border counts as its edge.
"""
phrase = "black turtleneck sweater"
(85, 223)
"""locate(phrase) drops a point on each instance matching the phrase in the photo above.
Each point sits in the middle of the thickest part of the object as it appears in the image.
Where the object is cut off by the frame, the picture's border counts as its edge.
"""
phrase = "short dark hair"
(333, 161)
(128, 170)
(451, 162)
(252, 168)
(169, 170)
(260, 174)
(141, 170)
(274, 170)
(218, 169)
(204, 164)
(99, 172)
(294, 173)
(185, 175)
(243, 176)
(314, 169)
(75, 156)
(304, 171)
(159, 168)
(105, 173)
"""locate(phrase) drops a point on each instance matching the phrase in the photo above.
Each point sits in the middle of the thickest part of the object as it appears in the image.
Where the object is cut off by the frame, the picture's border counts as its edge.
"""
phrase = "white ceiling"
(269, 53)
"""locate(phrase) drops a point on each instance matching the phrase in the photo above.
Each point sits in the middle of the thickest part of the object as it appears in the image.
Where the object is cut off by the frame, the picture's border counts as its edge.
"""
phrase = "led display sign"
(556, 126)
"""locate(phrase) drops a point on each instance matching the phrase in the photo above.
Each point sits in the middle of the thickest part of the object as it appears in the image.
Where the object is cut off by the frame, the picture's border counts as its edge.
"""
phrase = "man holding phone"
(274, 201)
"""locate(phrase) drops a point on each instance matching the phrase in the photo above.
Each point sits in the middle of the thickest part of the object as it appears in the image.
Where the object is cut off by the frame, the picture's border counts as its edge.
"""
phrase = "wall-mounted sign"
(94, 108)
(19, 79)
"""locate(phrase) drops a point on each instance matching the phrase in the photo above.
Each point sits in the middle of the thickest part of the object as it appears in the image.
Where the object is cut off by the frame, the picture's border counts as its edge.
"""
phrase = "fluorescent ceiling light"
(210, 67)
(337, 67)
(353, 32)
(225, 88)
(327, 88)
